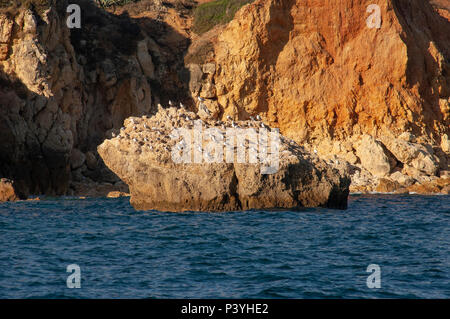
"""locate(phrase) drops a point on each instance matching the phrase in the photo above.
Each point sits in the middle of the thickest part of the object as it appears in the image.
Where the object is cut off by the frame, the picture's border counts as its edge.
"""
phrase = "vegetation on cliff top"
(210, 14)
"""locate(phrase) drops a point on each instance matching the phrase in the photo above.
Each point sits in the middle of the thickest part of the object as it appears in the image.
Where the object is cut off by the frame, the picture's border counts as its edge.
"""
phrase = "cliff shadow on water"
(63, 91)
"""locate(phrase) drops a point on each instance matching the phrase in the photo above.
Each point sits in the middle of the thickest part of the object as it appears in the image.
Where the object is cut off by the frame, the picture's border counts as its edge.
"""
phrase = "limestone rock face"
(418, 156)
(142, 156)
(62, 91)
(373, 156)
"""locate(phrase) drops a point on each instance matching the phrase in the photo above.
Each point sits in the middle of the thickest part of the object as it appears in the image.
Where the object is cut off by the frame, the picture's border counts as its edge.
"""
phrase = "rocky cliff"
(372, 101)
(331, 80)
(63, 90)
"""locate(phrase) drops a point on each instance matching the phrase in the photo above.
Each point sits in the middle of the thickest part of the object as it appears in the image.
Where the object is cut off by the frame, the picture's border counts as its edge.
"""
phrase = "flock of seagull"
(124, 133)
(179, 146)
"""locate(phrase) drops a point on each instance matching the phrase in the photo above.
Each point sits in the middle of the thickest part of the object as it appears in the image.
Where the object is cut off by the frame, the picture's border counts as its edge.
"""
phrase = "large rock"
(402, 179)
(373, 156)
(142, 156)
(419, 156)
(425, 163)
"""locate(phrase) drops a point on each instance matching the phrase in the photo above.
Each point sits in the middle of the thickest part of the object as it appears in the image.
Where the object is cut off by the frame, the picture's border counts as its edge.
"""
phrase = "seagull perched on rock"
(181, 105)
(200, 99)
(113, 134)
(228, 118)
(170, 103)
(258, 117)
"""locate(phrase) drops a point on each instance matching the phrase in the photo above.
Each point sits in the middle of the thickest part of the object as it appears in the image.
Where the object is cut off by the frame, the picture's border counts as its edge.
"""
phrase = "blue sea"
(311, 253)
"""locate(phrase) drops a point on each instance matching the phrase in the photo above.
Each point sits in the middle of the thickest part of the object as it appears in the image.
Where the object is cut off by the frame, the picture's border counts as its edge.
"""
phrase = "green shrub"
(210, 14)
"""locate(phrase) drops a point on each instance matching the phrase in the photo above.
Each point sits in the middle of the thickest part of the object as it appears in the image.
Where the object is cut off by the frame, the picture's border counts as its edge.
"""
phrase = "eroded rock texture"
(63, 90)
(141, 155)
(317, 71)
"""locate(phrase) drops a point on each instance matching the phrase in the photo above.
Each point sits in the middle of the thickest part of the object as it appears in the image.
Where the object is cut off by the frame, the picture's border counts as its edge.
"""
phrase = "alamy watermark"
(74, 279)
(74, 19)
(233, 145)
(374, 20)
(374, 279)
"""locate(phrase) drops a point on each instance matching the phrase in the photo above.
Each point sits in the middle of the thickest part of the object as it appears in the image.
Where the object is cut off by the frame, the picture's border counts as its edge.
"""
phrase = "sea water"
(310, 253)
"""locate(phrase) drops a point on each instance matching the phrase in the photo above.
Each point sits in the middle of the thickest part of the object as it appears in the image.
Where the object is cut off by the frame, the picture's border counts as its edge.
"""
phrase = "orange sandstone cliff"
(374, 98)
(317, 71)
